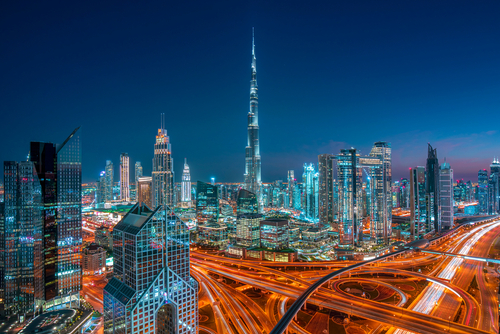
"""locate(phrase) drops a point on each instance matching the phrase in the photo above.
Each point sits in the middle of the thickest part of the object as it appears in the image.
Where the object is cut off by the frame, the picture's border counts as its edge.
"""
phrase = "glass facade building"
(274, 233)
(446, 193)
(432, 189)
(418, 205)
(186, 185)
(328, 192)
(163, 170)
(246, 203)
(152, 290)
(482, 191)
(145, 190)
(109, 181)
(310, 182)
(207, 202)
(248, 230)
(124, 177)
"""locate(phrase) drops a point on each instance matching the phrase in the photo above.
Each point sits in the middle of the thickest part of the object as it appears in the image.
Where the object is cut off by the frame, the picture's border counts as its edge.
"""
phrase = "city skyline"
(402, 84)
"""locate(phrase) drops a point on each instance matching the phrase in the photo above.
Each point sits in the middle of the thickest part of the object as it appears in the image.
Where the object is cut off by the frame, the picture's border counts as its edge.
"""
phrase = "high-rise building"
(248, 230)
(186, 186)
(482, 191)
(446, 195)
(291, 188)
(246, 203)
(21, 238)
(152, 290)
(494, 187)
(349, 210)
(138, 171)
(311, 192)
(207, 202)
(253, 181)
(418, 204)
(432, 188)
(145, 190)
(274, 233)
(327, 169)
(163, 170)
(42, 229)
(100, 197)
(109, 181)
(124, 177)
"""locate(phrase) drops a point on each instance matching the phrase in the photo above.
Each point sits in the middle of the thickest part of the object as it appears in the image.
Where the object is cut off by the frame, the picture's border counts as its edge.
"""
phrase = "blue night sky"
(331, 75)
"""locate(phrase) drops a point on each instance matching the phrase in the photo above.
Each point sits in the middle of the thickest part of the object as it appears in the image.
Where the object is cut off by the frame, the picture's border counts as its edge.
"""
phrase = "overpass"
(466, 257)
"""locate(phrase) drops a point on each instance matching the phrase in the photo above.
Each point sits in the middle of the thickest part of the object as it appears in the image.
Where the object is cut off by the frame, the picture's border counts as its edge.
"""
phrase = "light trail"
(434, 292)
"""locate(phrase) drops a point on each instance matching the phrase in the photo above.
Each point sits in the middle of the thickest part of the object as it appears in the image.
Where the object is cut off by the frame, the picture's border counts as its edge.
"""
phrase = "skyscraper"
(152, 290)
(494, 187)
(432, 188)
(138, 171)
(124, 177)
(145, 190)
(311, 192)
(163, 172)
(109, 181)
(186, 186)
(253, 182)
(21, 238)
(482, 191)
(327, 169)
(446, 195)
(246, 203)
(100, 197)
(418, 204)
(349, 181)
(291, 188)
(207, 202)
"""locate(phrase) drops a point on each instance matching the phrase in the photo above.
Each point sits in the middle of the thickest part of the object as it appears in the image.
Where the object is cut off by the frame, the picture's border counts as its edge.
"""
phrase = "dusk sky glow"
(330, 76)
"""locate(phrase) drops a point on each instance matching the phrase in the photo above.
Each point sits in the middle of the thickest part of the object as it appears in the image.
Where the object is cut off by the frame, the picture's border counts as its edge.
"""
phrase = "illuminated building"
(418, 204)
(432, 189)
(93, 259)
(248, 230)
(327, 195)
(253, 182)
(291, 188)
(145, 190)
(311, 192)
(163, 173)
(446, 195)
(494, 188)
(482, 191)
(349, 183)
(246, 203)
(124, 177)
(213, 234)
(152, 290)
(207, 202)
(274, 233)
(138, 171)
(21, 236)
(103, 237)
(186, 186)
(100, 197)
(109, 181)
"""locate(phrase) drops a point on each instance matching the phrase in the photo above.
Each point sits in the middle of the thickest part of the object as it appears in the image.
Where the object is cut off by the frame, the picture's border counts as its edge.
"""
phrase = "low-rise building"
(93, 259)
(213, 235)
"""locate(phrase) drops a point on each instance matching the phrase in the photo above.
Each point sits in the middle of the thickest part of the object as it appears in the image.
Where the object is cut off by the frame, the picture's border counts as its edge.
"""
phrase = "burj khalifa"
(253, 181)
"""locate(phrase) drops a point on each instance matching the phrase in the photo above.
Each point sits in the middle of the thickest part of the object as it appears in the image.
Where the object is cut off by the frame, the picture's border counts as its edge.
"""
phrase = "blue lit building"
(152, 290)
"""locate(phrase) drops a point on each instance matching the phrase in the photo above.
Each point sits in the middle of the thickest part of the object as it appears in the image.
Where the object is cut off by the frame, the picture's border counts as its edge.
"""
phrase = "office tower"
(145, 190)
(138, 171)
(396, 194)
(405, 194)
(349, 184)
(291, 188)
(21, 241)
(494, 187)
(152, 290)
(207, 202)
(297, 191)
(327, 169)
(274, 233)
(100, 197)
(163, 170)
(253, 182)
(418, 204)
(380, 172)
(446, 195)
(246, 203)
(124, 177)
(248, 230)
(311, 192)
(109, 181)
(186, 185)
(432, 188)
(482, 191)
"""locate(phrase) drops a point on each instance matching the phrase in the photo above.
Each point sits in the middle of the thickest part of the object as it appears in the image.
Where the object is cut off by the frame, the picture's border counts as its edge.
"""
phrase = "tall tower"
(124, 177)
(109, 181)
(138, 171)
(446, 195)
(432, 189)
(253, 181)
(163, 173)
(186, 185)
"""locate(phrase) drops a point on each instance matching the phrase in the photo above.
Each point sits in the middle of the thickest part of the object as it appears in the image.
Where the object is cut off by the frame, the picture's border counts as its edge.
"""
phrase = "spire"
(253, 43)
(185, 161)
